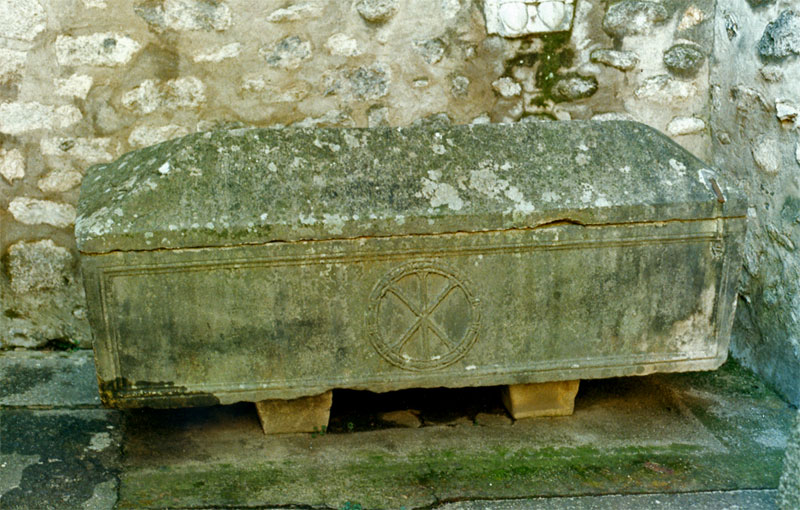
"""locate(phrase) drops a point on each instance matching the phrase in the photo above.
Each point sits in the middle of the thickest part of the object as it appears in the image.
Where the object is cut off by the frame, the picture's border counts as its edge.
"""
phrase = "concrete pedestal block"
(540, 399)
(305, 414)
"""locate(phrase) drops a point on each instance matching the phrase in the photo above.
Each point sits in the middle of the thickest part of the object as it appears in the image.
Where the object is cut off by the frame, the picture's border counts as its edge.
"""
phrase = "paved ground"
(706, 440)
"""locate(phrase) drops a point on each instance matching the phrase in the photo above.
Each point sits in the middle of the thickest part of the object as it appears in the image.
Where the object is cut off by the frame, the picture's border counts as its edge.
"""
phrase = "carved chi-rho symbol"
(423, 317)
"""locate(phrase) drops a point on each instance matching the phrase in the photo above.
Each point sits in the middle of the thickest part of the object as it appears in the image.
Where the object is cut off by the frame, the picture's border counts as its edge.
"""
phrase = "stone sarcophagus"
(257, 264)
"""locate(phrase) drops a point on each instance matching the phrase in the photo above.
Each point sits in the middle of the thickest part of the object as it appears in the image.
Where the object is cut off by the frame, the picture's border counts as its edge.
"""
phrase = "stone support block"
(305, 414)
(541, 399)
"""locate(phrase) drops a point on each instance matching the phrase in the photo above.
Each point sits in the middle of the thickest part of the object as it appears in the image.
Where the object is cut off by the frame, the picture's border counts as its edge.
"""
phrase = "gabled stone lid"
(249, 186)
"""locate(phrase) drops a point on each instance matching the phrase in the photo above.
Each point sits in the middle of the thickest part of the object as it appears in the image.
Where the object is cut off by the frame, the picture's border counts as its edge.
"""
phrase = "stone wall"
(756, 142)
(84, 81)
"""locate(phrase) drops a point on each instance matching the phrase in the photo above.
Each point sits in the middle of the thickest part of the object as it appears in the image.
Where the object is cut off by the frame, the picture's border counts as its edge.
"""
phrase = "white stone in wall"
(515, 18)
(450, 8)
(787, 112)
(219, 54)
(685, 126)
(797, 152)
(32, 211)
(11, 64)
(195, 15)
(150, 95)
(59, 181)
(100, 49)
(665, 89)
(188, 92)
(144, 136)
(296, 12)
(610, 116)
(772, 73)
(88, 150)
(507, 87)
(39, 265)
(288, 53)
(459, 86)
(77, 85)
(21, 19)
(622, 60)
(766, 154)
(342, 45)
(12, 164)
(377, 11)
(145, 97)
(691, 17)
(18, 118)
(95, 4)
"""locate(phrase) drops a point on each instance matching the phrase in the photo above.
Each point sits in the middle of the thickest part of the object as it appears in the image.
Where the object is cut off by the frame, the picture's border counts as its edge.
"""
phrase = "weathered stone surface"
(143, 136)
(185, 15)
(39, 265)
(19, 118)
(766, 154)
(295, 12)
(489, 204)
(431, 50)
(663, 88)
(152, 95)
(21, 19)
(492, 420)
(542, 399)
(49, 379)
(43, 302)
(788, 112)
(305, 414)
(219, 54)
(342, 45)
(77, 85)
(287, 53)
(59, 181)
(377, 11)
(101, 49)
(507, 87)
(33, 211)
(622, 60)
(12, 164)
(790, 480)
(407, 419)
(86, 150)
(684, 60)
(781, 38)
(59, 459)
(633, 17)
(371, 82)
(378, 116)
(691, 18)
(459, 86)
(685, 126)
(11, 64)
(571, 88)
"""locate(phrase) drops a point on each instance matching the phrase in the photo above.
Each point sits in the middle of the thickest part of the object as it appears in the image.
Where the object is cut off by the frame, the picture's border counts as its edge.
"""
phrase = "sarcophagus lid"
(250, 264)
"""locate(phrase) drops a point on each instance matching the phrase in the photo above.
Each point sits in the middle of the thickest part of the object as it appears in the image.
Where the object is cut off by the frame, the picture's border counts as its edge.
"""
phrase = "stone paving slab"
(59, 459)
(722, 431)
(732, 500)
(703, 440)
(48, 379)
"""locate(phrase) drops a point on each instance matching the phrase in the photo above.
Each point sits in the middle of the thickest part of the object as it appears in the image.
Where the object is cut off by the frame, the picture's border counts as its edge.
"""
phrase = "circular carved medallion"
(423, 316)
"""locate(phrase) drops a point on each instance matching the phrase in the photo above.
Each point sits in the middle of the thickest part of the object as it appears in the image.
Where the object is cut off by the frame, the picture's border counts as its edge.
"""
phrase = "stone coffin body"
(278, 263)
